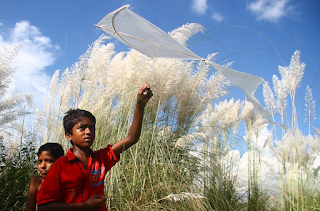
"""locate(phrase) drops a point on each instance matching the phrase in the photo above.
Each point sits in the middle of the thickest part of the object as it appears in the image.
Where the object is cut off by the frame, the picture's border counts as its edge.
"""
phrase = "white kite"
(143, 36)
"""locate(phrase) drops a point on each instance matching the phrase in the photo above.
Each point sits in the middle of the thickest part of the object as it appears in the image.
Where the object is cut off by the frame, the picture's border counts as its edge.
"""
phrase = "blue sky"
(257, 35)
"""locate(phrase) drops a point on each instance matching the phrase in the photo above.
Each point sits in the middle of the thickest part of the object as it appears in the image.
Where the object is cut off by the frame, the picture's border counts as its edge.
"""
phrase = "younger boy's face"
(83, 133)
(45, 162)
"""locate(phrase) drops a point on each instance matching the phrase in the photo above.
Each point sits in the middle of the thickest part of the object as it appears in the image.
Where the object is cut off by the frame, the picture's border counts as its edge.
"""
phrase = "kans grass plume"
(190, 141)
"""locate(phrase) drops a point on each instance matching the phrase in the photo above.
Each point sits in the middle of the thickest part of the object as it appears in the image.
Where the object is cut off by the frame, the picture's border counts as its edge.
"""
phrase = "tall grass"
(106, 84)
(18, 165)
(10, 108)
(17, 153)
(185, 142)
(188, 156)
(294, 153)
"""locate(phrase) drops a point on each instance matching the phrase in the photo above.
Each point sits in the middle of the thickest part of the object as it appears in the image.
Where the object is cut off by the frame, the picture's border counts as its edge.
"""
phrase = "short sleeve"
(108, 156)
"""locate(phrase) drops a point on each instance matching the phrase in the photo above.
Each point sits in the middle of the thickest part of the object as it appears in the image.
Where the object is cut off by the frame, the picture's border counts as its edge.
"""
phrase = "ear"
(68, 136)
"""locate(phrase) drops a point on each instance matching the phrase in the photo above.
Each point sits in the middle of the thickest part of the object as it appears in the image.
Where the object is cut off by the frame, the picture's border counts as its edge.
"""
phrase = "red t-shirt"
(68, 182)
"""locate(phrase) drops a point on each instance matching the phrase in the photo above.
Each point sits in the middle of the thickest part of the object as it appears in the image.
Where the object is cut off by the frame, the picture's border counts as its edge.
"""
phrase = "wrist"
(140, 105)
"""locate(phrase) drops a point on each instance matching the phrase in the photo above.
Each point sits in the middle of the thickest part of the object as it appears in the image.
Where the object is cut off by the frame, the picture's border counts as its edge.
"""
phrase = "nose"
(87, 130)
(43, 165)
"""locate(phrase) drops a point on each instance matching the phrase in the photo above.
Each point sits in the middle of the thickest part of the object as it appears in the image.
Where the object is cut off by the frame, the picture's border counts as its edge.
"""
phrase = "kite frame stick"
(120, 33)
(114, 29)
(161, 46)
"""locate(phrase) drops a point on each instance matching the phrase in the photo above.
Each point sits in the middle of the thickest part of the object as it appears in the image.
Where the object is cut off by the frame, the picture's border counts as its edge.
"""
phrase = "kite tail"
(249, 84)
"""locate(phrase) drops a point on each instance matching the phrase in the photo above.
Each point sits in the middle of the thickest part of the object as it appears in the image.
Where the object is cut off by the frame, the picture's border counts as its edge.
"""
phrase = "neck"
(81, 153)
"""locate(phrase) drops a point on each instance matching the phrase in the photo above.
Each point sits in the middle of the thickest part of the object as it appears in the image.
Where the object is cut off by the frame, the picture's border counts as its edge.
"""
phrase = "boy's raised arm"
(144, 94)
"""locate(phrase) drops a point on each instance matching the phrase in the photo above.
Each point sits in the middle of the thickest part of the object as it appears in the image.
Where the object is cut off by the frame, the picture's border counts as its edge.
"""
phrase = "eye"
(82, 127)
(39, 161)
(49, 161)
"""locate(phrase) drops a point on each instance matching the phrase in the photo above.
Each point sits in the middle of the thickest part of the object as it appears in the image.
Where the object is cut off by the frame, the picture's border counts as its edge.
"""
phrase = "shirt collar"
(71, 156)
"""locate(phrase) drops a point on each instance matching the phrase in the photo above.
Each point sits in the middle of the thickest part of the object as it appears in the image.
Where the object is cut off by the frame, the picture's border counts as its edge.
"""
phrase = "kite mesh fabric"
(143, 36)
(138, 33)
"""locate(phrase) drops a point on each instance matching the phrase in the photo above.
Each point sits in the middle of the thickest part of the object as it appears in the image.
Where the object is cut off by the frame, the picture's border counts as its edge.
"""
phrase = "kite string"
(265, 38)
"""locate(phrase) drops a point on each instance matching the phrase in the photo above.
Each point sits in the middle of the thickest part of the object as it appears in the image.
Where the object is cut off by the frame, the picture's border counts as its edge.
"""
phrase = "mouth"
(44, 172)
(88, 139)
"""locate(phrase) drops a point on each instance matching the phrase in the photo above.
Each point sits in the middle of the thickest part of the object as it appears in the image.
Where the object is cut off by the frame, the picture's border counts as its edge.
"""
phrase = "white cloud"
(217, 17)
(268, 163)
(36, 54)
(316, 163)
(199, 6)
(271, 10)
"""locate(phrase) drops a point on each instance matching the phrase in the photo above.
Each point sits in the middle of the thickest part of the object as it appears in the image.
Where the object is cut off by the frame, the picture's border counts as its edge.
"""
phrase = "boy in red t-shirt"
(76, 181)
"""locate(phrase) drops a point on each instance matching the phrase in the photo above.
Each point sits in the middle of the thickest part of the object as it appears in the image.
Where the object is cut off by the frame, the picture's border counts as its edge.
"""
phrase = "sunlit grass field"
(189, 154)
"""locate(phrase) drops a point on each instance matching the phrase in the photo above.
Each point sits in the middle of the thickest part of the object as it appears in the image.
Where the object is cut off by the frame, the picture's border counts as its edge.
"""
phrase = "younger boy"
(76, 181)
(47, 155)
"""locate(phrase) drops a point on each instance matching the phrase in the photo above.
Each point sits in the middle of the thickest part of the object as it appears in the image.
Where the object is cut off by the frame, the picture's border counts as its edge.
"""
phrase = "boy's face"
(45, 162)
(83, 133)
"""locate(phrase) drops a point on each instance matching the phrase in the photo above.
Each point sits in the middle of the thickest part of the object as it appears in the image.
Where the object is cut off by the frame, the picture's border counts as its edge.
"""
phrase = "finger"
(103, 199)
(146, 86)
(97, 197)
(144, 92)
(142, 89)
(148, 93)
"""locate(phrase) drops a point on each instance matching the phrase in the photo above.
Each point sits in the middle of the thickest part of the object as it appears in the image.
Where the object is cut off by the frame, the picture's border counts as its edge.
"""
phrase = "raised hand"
(95, 202)
(144, 94)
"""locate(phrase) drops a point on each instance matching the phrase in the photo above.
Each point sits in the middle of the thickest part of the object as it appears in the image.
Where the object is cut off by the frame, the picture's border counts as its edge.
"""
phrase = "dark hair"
(54, 149)
(73, 116)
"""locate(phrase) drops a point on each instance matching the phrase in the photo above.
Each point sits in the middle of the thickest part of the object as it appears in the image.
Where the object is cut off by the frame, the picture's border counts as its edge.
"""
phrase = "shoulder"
(58, 164)
(36, 182)
(36, 179)
(107, 153)
(108, 148)
(62, 159)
